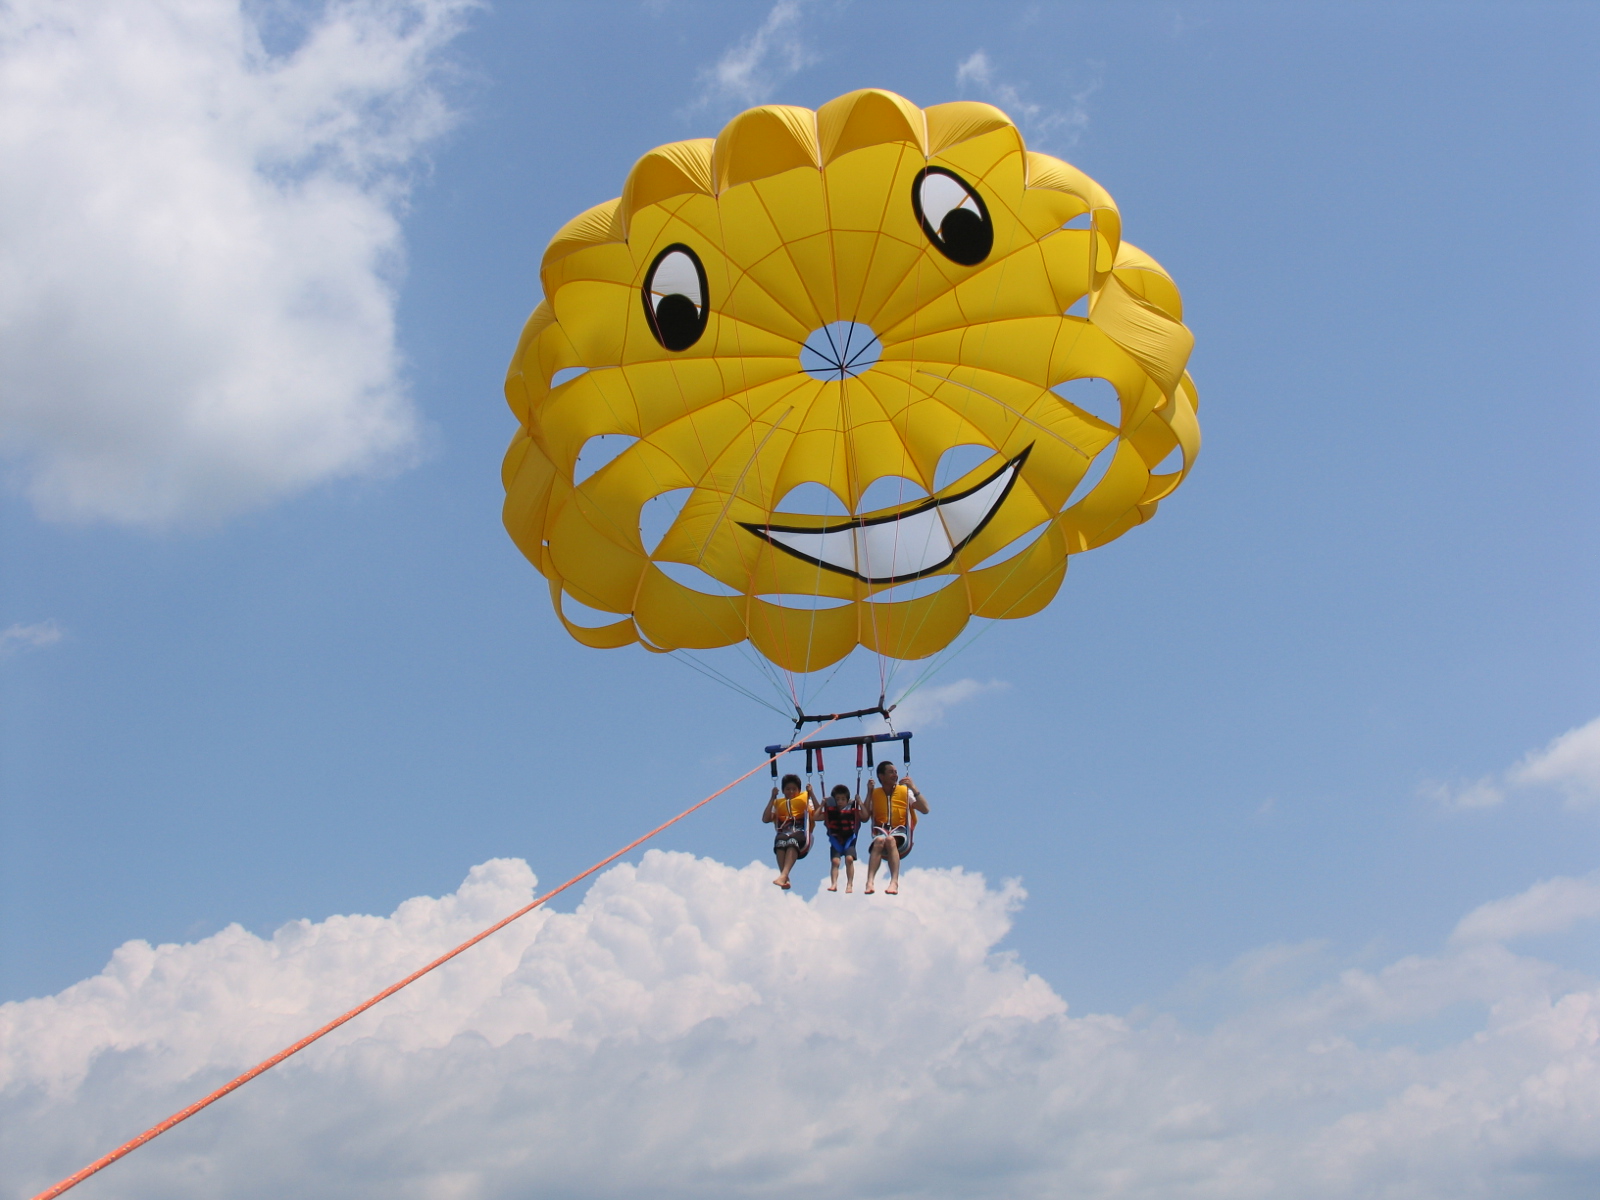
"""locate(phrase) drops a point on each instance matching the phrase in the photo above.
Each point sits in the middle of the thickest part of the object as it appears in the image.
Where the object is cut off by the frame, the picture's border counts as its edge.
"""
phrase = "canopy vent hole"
(657, 515)
(1095, 396)
(958, 461)
(840, 351)
(598, 452)
(1092, 477)
(696, 580)
(813, 500)
(887, 491)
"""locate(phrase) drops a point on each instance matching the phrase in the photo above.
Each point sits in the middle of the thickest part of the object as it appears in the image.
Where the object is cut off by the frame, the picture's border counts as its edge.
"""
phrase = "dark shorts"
(844, 849)
(792, 835)
(901, 835)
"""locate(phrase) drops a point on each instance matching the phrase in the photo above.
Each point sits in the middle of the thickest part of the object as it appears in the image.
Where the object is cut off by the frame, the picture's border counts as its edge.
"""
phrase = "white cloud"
(1571, 763)
(1479, 793)
(691, 1031)
(1043, 126)
(199, 247)
(752, 69)
(927, 706)
(1550, 906)
(29, 637)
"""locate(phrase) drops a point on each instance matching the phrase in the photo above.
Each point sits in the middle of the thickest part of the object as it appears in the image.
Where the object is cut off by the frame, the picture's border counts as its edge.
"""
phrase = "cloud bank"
(689, 1031)
(199, 247)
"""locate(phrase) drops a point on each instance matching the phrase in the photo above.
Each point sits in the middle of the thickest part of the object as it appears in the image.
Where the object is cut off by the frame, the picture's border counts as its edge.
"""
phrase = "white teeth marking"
(885, 549)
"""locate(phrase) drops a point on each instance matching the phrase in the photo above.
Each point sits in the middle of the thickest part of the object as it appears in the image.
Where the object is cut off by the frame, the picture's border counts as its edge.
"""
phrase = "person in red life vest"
(791, 814)
(841, 817)
(894, 822)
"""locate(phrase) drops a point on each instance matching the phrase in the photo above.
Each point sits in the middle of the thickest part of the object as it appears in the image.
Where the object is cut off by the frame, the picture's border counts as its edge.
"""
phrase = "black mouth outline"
(1014, 466)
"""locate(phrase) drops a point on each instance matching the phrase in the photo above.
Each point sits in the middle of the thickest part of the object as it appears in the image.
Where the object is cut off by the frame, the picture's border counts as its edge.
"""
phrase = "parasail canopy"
(832, 360)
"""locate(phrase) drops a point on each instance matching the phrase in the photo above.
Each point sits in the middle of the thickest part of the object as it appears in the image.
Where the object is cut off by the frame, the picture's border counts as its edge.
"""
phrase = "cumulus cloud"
(1570, 764)
(29, 637)
(690, 1031)
(752, 69)
(1042, 125)
(199, 248)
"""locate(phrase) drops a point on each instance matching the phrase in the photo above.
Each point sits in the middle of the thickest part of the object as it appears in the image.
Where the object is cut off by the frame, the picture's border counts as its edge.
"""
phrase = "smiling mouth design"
(898, 546)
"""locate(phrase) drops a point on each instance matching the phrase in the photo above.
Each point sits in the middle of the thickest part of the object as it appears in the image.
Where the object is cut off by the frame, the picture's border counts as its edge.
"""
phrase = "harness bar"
(877, 710)
(865, 739)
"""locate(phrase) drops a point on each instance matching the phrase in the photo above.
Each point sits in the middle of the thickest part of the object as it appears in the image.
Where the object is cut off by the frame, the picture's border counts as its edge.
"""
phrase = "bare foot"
(833, 887)
(778, 882)
(892, 890)
(785, 885)
(848, 888)
(869, 889)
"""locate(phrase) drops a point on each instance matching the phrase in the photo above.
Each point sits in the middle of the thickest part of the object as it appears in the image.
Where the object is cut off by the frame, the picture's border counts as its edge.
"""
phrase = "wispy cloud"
(928, 706)
(29, 637)
(1570, 764)
(1551, 906)
(751, 70)
(1476, 793)
(1044, 126)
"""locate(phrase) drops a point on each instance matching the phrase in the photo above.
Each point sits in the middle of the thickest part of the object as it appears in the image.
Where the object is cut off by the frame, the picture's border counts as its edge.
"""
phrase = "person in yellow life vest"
(893, 806)
(791, 815)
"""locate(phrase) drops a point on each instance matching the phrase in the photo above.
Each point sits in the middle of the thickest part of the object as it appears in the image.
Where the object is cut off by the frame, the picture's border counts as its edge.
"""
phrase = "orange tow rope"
(156, 1131)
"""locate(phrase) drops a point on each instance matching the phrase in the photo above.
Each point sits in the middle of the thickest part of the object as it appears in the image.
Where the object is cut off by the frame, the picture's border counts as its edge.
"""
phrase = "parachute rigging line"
(717, 676)
(176, 1118)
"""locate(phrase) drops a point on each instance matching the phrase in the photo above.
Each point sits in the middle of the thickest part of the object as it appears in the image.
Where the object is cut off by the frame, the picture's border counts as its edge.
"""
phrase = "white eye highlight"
(941, 193)
(676, 275)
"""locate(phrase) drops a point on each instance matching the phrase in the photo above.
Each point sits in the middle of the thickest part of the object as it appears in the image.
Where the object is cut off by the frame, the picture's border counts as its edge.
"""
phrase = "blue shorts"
(838, 849)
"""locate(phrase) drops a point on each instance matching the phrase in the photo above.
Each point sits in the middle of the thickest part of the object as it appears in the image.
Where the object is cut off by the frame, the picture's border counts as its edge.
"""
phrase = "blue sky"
(295, 668)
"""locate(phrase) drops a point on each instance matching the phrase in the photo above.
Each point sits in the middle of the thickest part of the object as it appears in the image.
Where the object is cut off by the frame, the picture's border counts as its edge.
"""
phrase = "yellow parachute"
(826, 300)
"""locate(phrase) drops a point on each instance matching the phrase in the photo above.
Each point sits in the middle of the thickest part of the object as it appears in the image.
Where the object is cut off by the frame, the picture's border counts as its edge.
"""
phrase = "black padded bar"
(865, 739)
(877, 710)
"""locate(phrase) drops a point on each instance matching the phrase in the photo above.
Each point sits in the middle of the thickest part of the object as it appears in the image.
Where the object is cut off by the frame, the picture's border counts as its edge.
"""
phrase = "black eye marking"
(675, 297)
(953, 215)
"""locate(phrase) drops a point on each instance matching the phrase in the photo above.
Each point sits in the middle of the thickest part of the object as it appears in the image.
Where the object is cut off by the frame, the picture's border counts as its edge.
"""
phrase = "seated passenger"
(841, 816)
(791, 814)
(894, 820)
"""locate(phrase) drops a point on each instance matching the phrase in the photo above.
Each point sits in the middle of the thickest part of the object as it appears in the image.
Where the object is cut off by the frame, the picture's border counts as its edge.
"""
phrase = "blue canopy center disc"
(840, 351)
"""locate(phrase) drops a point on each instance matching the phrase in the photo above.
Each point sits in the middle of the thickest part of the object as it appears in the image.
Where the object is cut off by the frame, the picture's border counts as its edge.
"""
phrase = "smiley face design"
(834, 367)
